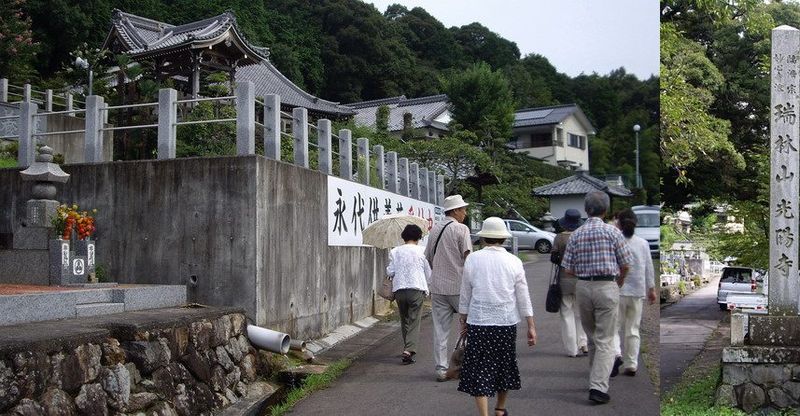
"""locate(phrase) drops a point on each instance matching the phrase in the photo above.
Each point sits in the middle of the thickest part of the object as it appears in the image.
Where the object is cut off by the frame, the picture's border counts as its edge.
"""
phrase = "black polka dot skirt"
(490, 361)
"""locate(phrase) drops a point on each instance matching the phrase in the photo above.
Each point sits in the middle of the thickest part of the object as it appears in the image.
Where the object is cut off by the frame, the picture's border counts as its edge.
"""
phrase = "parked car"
(528, 237)
(739, 281)
(649, 225)
(755, 303)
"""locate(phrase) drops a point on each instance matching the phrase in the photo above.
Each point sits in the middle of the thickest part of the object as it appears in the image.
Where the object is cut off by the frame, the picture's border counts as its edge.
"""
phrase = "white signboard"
(353, 206)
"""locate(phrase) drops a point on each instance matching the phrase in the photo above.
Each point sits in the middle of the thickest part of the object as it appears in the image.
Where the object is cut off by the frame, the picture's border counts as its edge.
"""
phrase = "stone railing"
(47, 98)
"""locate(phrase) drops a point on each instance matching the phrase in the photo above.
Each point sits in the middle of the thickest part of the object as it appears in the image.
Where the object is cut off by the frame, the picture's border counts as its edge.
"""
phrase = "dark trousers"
(409, 301)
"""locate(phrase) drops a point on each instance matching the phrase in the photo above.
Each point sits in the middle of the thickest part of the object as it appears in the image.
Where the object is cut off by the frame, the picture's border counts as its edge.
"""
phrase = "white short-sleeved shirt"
(408, 268)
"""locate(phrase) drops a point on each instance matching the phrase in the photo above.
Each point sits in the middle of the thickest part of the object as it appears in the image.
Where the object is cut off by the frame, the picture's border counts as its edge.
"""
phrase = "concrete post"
(167, 117)
(4, 90)
(440, 190)
(423, 184)
(380, 172)
(784, 281)
(432, 186)
(26, 154)
(363, 160)
(413, 180)
(48, 100)
(26, 93)
(69, 104)
(325, 155)
(245, 118)
(345, 154)
(391, 171)
(93, 144)
(402, 176)
(272, 126)
(300, 134)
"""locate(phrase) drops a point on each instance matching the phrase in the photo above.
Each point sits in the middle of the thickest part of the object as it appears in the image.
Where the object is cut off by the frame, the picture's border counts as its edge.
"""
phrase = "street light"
(636, 129)
(83, 63)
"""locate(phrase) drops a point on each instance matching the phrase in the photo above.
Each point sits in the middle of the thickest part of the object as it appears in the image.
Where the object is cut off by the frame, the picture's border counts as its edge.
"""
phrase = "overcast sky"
(575, 35)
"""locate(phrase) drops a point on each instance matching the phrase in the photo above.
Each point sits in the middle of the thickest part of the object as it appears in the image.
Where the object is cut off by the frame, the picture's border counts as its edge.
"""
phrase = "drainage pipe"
(297, 345)
(268, 339)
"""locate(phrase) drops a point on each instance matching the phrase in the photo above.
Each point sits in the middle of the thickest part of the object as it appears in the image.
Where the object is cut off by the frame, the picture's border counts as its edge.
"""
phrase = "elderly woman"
(572, 334)
(494, 295)
(410, 272)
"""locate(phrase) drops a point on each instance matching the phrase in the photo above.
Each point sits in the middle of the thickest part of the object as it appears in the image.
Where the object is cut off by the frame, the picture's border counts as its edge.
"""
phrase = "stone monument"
(761, 368)
(40, 210)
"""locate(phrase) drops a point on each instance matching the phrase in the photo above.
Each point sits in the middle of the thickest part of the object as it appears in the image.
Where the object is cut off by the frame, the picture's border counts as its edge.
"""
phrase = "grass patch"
(8, 163)
(696, 398)
(311, 384)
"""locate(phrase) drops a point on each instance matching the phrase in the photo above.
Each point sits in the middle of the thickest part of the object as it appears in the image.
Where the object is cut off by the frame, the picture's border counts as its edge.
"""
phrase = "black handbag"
(553, 302)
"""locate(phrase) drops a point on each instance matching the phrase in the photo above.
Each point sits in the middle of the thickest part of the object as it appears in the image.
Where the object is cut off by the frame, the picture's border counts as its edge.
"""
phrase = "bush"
(682, 289)
(697, 281)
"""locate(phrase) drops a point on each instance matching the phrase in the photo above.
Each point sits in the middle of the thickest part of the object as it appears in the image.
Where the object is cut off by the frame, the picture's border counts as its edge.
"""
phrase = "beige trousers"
(628, 321)
(572, 333)
(443, 307)
(598, 303)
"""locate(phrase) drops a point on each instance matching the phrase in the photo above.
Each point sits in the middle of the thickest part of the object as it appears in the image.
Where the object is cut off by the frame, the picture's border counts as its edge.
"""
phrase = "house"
(185, 52)
(558, 135)
(428, 116)
(571, 191)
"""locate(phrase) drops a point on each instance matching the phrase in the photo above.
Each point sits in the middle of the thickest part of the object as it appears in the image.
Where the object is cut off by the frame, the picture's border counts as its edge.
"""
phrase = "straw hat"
(454, 202)
(494, 227)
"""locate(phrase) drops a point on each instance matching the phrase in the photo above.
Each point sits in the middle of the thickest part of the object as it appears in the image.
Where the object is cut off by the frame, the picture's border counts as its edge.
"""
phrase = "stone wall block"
(141, 336)
(57, 402)
(232, 348)
(92, 400)
(200, 334)
(178, 339)
(233, 377)
(796, 373)
(198, 363)
(793, 388)
(136, 376)
(750, 397)
(116, 381)
(194, 401)
(735, 374)
(231, 396)
(224, 359)
(112, 352)
(33, 372)
(770, 375)
(9, 391)
(779, 398)
(162, 409)
(725, 396)
(140, 401)
(238, 324)
(244, 344)
(163, 382)
(222, 330)
(240, 389)
(148, 355)
(249, 368)
(217, 381)
(28, 407)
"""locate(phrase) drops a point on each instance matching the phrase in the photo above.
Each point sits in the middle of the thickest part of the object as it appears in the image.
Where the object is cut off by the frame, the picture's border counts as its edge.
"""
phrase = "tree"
(17, 46)
(452, 155)
(382, 119)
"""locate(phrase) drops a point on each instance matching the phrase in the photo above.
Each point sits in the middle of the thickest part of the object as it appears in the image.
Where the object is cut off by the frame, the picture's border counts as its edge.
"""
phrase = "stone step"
(98, 308)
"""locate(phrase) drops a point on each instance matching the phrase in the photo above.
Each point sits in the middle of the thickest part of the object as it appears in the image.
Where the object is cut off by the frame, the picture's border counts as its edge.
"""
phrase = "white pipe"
(268, 339)
(297, 345)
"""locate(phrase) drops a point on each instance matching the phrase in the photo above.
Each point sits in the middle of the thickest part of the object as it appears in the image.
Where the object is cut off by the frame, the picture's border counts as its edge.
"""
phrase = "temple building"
(186, 52)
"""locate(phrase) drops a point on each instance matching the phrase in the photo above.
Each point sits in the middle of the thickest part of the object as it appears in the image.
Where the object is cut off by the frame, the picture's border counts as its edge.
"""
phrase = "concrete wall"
(240, 231)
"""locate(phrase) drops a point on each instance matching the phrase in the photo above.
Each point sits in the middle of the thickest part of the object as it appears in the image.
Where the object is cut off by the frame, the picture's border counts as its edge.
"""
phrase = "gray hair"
(596, 203)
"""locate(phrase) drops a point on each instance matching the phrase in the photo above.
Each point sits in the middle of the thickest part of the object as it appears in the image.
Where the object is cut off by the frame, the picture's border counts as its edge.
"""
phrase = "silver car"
(530, 237)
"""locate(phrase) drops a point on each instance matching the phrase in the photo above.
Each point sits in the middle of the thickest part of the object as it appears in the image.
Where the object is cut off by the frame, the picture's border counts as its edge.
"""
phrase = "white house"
(571, 191)
(429, 115)
(558, 135)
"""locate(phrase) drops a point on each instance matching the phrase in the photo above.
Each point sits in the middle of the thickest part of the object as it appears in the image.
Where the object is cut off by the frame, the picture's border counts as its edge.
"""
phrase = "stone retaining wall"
(188, 367)
(755, 386)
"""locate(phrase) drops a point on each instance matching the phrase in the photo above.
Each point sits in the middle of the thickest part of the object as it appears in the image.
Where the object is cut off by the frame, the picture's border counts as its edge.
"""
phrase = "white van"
(648, 218)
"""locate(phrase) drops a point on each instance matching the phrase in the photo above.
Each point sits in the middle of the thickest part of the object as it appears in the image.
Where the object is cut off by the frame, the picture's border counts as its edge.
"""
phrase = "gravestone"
(37, 228)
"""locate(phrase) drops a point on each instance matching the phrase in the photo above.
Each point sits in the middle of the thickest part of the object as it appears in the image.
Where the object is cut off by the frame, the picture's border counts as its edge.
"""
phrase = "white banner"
(353, 206)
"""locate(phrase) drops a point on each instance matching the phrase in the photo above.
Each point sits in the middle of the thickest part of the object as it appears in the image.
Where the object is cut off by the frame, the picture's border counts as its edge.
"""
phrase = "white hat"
(454, 202)
(494, 227)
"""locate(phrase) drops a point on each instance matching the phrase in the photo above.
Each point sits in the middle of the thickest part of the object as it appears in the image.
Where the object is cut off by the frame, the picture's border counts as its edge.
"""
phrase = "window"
(577, 141)
(517, 226)
(541, 139)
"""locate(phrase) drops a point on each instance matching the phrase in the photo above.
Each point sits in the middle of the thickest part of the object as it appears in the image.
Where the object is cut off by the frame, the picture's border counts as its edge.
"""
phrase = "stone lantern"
(41, 208)
(547, 222)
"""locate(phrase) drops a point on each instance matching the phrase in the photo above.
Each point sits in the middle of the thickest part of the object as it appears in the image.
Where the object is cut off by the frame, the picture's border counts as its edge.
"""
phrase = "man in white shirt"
(448, 246)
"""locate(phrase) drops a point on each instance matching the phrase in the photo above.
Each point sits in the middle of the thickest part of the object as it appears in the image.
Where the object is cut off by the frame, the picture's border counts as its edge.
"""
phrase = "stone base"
(40, 212)
(757, 377)
(31, 238)
(774, 330)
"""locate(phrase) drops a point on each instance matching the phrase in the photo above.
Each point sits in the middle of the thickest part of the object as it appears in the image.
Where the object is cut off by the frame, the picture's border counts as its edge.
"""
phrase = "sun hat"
(454, 202)
(571, 220)
(494, 227)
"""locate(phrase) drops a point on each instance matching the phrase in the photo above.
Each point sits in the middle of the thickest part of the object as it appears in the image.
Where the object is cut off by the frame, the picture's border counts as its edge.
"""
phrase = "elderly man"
(448, 246)
(598, 255)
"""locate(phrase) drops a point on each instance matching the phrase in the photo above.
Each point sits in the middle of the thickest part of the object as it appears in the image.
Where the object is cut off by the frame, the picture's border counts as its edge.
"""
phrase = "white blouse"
(408, 268)
(494, 290)
(641, 275)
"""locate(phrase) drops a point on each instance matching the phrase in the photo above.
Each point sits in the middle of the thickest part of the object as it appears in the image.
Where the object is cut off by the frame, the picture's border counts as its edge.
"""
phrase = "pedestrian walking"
(410, 272)
(572, 334)
(598, 255)
(494, 295)
(448, 246)
(639, 282)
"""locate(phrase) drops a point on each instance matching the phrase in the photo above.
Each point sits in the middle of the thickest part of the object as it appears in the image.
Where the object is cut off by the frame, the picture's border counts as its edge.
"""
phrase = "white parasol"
(385, 233)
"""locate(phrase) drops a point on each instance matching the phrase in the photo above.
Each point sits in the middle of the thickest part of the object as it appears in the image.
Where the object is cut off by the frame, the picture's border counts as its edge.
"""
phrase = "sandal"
(408, 357)
(505, 412)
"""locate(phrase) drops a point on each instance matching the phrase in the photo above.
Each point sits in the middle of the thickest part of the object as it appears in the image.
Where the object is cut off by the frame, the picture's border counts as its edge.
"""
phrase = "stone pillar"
(784, 281)
(423, 184)
(413, 180)
(345, 154)
(27, 142)
(324, 137)
(26, 93)
(68, 103)
(93, 143)
(391, 171)
(167, 117)
(272, 126)
(245, 118)
(300, 134)
(402, 176)
(440, 190)
(48, 100)
(363, 160)
(432, 186)
(380, 171)
(4, 90)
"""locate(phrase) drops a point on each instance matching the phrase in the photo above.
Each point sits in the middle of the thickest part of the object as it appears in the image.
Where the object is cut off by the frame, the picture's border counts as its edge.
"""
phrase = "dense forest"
(347, 50)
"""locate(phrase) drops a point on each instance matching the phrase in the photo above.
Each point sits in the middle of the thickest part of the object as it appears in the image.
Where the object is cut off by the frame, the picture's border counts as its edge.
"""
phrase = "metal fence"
(398, 175)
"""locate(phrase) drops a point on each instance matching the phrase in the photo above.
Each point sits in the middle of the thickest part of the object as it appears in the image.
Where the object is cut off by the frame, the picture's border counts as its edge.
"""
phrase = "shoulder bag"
(385, 291)
(438, 239)
(553, 302)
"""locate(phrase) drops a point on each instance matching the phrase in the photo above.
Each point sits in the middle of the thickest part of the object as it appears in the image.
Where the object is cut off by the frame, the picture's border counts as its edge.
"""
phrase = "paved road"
(685, 326)
(552, 383)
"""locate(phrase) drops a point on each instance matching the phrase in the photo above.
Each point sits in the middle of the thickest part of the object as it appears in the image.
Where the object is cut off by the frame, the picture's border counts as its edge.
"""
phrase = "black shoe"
(408, 357)
(505, 412)
(598, 397)
(615, 370)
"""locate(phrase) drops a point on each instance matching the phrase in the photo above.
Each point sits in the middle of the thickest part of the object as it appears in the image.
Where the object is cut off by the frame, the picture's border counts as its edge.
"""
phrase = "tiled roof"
(541, 116)
(423, 111)
(147, 36)
(268, 80)
(579, 184)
